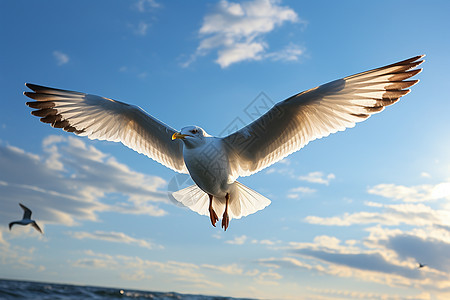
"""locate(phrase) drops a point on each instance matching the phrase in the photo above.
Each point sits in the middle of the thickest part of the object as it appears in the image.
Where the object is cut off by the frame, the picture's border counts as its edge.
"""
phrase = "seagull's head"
(192, 136)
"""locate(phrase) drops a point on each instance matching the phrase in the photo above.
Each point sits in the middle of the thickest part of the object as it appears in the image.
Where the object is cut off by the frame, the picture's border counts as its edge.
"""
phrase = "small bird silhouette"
(421, 266)
(26, 219)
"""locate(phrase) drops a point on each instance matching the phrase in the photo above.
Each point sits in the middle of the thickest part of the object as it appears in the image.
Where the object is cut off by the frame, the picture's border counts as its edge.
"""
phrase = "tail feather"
(250, 200)
(194, 198)
(243, 201)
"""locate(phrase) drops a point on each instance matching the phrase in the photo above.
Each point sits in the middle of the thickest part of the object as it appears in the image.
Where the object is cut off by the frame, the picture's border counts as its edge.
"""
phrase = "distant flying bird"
(421, 266)
(215, 163)
(26, 219)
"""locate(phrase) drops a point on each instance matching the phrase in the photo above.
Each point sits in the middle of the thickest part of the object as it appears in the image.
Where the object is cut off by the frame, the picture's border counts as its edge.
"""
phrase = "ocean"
(14, 289)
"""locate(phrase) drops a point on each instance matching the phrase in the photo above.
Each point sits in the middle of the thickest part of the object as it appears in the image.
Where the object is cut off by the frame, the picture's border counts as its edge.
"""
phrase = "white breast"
(208, 166)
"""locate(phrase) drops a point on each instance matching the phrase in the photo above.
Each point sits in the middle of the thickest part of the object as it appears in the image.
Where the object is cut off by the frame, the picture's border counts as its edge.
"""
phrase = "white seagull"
(26, 219)
(214, 163)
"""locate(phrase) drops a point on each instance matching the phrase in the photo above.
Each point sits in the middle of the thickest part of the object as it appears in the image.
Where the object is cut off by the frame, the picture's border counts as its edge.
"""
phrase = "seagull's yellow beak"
(178, 135)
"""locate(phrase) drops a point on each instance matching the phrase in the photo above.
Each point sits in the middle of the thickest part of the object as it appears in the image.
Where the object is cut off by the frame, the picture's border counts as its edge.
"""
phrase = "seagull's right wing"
(316, 113)
(106, 119)
(26, 212)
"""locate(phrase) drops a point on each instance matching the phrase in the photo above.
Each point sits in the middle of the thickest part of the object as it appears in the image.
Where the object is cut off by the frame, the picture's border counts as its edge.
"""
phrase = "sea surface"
(14, 289)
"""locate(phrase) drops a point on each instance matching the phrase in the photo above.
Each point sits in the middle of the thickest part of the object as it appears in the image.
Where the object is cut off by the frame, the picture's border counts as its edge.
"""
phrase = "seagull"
(215, 163)
(26, 219)
(421, 266)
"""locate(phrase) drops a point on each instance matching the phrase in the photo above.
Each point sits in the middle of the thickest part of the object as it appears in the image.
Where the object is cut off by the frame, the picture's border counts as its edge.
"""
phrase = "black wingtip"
(37, 87)
(420, 60)
(23, 206)
(418, 57)
(415, 61)
(31, 86)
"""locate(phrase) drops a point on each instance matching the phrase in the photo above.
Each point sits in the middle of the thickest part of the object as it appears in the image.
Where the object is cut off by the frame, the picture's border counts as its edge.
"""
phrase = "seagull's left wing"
(316, 113)
(26, 212)
(106, 119)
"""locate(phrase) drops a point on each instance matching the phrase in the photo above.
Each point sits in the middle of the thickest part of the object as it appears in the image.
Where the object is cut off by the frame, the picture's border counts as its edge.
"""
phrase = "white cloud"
(143, 6)
(376, 264)
(240, 240)
(327, 243)
(141, 28)
(239, 52)
(412, 214)
(2, 241)
(237, 31)
(146, 5)
(284, 170)
(318, 177)
(232, 269)
(61, 58)
(390, 254)
(15, 257)
(425, 175)
(269, 277)
(284, 262)
(68, 181)
(419, 193)
(22, 152)
(429, 245)
(218, 235)
(290, 53)
(285, 161)
(116, 237)
(270, 171)
(266, 242)
(302, 190)
(409, 214)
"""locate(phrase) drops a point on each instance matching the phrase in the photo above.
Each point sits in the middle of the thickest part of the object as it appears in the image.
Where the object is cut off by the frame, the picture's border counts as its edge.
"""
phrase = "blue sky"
(351, 214)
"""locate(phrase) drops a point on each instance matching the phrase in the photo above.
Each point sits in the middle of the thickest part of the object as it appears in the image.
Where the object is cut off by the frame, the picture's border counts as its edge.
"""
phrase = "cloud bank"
(238, 32)
(68, 182)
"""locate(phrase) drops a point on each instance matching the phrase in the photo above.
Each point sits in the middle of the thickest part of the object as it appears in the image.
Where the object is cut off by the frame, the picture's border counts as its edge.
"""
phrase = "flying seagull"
(214, 163)
(421, 266)
(26, 219)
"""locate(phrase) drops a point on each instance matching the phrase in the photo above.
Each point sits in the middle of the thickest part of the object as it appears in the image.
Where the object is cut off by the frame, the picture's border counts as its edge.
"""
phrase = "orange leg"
(225, 218)
(212, 213)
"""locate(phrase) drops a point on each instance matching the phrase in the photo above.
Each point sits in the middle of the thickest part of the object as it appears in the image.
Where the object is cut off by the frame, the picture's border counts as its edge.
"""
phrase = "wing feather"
(26, 212)
(106, 119)
(316, 113)
(36, 226)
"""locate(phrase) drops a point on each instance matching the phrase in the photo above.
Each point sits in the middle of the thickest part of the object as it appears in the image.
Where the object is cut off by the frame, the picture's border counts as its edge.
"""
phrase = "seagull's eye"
(194, 131)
